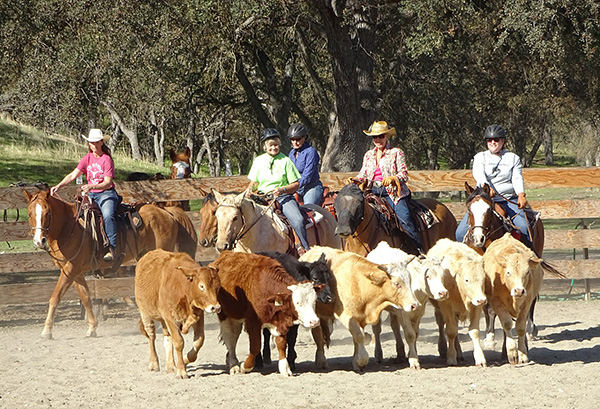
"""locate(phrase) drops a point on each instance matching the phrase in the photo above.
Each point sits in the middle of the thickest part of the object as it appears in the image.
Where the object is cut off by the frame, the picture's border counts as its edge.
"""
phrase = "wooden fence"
(20, 269)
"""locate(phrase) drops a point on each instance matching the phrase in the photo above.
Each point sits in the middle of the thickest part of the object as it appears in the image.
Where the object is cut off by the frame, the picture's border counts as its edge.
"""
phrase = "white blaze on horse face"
(479, 208)
(181, 166)
(37, 237)
(304, 298)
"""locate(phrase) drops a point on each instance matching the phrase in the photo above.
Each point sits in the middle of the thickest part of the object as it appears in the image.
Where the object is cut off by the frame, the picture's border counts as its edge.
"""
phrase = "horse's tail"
(187, 238)
(552, 270)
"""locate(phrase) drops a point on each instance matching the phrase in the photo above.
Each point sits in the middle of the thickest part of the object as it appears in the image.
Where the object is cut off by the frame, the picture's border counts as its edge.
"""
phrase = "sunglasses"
(493, 139)
(297, 139)
(378, 136)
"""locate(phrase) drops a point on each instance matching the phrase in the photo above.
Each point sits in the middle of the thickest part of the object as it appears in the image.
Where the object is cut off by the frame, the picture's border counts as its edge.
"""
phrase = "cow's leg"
(451, 333)
(521, 327)
(264, 358)
(253, 330)
(490, 330)
(474, 317)
(360, 358)
(62, 285)
(510, 342)
(291, 337)
(411, 333)
(84, 294)
(230, 332)
(148, 329)
(317, 334)
(377, 335)
(532, 330)
(168, 344)
(178, 344)
(395, 324)
(442, 346)
(198, 327)
(284, 366)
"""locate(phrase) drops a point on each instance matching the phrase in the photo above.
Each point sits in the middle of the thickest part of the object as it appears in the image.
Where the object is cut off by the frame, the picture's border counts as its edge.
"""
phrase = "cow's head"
(204, 284)
(516, 271)
(320, 274)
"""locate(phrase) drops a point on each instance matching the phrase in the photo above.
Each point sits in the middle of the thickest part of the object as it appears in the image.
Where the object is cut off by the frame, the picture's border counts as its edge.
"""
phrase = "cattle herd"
(271, 293)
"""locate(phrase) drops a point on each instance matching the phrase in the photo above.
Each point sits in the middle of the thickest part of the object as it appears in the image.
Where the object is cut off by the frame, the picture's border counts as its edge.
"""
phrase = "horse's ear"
(239, 199)
(468, 188)
(188, 152)
(218, 196)
(486, 188)
(28, 195)
(172, 154)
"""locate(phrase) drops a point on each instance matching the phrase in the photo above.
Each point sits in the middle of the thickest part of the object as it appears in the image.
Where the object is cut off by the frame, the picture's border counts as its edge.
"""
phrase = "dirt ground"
(72, 371)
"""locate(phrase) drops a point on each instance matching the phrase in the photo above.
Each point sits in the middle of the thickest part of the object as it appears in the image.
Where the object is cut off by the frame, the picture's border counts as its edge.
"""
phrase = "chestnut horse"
(360, 224)
(180, 169)
(57, 230)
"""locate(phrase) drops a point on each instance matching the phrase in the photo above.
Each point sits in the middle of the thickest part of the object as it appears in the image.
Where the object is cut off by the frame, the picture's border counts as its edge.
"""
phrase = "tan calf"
(363, 290)
(173, 289)
(514, 280)
(464, 278)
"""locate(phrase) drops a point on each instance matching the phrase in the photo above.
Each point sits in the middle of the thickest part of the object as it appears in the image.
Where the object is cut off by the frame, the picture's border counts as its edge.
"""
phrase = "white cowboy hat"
(380, 128)
(95, 135)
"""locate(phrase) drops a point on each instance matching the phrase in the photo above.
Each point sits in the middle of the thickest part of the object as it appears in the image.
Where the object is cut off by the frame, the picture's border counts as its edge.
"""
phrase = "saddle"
(531, 215)
(90, 217)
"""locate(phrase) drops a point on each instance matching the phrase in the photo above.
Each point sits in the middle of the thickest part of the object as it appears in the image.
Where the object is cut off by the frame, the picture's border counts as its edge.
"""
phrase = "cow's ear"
(375, 276)
(322, 259)
(318, 287)
(27, 195)
(188, 274)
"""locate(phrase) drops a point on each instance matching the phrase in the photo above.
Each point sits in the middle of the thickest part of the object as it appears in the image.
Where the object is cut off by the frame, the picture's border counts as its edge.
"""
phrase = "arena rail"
(19, 272)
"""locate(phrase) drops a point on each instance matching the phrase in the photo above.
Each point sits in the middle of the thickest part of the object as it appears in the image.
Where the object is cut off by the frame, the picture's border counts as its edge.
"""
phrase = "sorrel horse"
(360, 224)
(486, 224)
(249, 227)
(180, 169)
(57, 230)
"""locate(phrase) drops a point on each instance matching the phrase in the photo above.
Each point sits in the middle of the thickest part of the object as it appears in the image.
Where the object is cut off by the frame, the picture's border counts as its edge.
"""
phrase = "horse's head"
(181, 164)
(230, 219)
(40, 217)
(208, 228)
(349, 208)
(479, 208)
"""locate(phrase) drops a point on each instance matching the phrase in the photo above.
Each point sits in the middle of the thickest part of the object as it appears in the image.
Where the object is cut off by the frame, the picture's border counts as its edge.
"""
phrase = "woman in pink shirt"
(99, 170)
(387, 168)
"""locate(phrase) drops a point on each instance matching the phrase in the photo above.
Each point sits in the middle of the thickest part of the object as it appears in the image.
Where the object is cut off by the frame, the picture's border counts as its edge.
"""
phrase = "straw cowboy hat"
(95, 135)
(380, 128)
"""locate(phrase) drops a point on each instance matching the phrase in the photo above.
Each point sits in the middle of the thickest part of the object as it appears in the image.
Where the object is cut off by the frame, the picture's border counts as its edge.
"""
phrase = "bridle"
(243, 232)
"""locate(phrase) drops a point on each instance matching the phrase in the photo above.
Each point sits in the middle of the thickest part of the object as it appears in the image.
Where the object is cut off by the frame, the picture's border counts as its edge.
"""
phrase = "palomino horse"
(57, 230)
(249, 227)
(486, 221)
(360, 224)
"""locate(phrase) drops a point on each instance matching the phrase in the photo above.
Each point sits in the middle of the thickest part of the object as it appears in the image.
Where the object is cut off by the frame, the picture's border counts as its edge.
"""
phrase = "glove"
(522, 201)
(353, 180)
(389, 180)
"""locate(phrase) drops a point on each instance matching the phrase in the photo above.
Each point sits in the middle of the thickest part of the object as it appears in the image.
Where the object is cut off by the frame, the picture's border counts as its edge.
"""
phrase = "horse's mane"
(351, 190)
(479, 192)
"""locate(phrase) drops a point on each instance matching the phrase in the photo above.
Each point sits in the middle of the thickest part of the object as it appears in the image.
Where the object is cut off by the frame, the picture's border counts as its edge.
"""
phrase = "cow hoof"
(47, 335)
(153, 367)
(489, 341)
(414, 363)
(284, 368)
(234, 370)
(183, 375)
(91, 334)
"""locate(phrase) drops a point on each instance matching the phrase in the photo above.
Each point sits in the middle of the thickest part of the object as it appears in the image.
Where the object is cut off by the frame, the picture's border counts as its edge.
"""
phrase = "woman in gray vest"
(502, 171)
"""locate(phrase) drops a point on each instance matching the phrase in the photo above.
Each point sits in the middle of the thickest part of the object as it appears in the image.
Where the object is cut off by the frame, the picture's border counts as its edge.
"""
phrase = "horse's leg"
(62, 285)
(490, 331)
(264, 358)
(84, 293)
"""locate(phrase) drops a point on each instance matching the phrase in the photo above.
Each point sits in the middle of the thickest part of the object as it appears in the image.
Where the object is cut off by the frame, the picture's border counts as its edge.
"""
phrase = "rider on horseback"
(387, 168)
(502, 171)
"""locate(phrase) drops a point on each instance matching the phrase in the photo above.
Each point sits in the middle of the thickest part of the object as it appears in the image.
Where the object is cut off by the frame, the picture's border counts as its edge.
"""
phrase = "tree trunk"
(129, 132)
(548, 147)
(158, 138)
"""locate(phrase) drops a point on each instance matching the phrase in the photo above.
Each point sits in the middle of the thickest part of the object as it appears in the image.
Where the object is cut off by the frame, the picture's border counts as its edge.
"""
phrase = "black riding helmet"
(268, 134)
(297, 130)
(495, 131)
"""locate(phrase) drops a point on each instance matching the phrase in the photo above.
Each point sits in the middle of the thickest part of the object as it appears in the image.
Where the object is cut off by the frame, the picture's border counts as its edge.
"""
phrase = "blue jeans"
(403, 213)
(512, 211)
(291, 210)
(312, 194)
(107, 201)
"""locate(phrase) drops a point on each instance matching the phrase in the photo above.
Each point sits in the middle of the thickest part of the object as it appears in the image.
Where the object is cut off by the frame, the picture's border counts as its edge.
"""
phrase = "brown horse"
(57, 230)
(486, 224)
(208, 228)
(180, 169)
(360, 224)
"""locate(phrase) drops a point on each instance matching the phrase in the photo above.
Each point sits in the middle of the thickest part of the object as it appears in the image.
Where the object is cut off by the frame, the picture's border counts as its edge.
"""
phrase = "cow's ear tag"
(278, 303)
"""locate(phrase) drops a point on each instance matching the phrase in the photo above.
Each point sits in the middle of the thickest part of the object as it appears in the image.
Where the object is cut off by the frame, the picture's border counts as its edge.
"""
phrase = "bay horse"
(486, 224)
(360, 224)
(245, 226)
(180, 169)
(57, 230)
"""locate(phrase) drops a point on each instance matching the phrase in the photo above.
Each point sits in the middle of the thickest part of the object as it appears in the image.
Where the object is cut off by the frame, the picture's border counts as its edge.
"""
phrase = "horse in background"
(57, 230)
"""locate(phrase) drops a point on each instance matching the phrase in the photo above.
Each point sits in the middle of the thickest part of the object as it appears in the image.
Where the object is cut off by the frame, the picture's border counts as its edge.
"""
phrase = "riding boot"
(110, 254)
